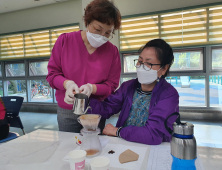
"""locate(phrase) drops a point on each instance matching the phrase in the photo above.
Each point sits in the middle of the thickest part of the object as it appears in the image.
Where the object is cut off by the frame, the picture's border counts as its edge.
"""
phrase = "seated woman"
(4, 126)
(145, 102)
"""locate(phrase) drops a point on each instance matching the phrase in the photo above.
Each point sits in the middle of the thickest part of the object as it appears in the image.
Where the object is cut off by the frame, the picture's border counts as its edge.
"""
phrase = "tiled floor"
(206, 133)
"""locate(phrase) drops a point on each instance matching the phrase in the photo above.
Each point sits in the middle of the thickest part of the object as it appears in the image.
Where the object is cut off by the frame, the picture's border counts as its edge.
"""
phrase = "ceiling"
(14, 5)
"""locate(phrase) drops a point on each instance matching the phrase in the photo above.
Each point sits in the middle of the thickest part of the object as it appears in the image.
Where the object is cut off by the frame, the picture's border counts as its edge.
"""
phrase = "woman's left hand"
(110, 130)
(86, 89)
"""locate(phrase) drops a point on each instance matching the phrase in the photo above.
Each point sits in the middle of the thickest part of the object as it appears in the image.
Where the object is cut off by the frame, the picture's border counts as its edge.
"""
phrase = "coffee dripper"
(90, 140)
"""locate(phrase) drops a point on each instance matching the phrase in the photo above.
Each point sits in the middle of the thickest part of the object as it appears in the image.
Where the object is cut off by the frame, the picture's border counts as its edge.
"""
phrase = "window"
(15, 69)
(215, 24)
(181, 28)
(195, 36)
(38, 68)
(55, 33)
(31, 44)
(191, 89)
(128, 61)
(183, 61)
(16, 88)
(11, 46)
(0, 70)
(40, 91)
(187, 60)
(25, 75)
(215, 90)
(1, 89)
(55, 96)
(135, 32)
(37, 64)
(216, 59)
(37, 44)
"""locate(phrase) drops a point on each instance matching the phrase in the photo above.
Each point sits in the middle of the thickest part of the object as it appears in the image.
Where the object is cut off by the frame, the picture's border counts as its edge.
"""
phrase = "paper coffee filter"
(89, 121)
(128, 156)
(89, 116)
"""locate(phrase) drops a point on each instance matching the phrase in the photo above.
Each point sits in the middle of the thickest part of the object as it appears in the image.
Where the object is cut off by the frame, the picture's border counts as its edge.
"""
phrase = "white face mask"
(96, 40)
(146, 77)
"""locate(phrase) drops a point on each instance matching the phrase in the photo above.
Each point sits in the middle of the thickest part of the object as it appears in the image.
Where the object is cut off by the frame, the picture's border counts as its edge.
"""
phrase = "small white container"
(100, 163)
(77, 159)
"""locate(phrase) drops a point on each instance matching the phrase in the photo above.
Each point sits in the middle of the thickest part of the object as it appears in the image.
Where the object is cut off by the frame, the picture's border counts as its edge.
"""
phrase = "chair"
(10, 136)
(13, 105)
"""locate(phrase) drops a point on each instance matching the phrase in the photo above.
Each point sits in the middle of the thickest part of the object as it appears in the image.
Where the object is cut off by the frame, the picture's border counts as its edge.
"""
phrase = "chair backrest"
(12, 104)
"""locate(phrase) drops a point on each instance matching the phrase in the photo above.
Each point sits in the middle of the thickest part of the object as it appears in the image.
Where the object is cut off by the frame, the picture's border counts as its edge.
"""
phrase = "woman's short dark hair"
(103, 11)
(164, 52)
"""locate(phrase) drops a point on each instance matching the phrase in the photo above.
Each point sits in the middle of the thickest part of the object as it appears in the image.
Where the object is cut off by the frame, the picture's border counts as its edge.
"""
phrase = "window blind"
(184, 28)
(31, 44)
(215, 25)
(37, 44)
(55, 33)
(200, 26)
(135, 32)
(11, 46)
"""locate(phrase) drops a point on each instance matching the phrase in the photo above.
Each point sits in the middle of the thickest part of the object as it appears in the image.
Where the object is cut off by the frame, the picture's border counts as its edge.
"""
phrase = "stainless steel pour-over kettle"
(81, 104)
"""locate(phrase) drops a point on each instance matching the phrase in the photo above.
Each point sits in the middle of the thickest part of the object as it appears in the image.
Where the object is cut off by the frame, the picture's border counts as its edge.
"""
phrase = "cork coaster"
(128, 156)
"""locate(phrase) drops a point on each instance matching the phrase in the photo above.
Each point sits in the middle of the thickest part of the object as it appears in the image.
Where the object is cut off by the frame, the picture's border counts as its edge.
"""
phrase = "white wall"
(129, 7)
(40, 17)
(72, 12)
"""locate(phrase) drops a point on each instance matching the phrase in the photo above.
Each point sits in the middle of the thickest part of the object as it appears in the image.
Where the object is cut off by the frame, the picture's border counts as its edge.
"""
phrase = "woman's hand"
(86, 89)
(110, 130)
(70, 87)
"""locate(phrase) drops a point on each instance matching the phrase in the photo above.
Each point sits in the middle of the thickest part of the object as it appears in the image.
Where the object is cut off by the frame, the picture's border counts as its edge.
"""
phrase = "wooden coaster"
(128, 156)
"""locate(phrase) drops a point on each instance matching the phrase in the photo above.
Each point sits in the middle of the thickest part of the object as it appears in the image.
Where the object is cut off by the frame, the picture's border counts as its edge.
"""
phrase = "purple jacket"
(164, 101)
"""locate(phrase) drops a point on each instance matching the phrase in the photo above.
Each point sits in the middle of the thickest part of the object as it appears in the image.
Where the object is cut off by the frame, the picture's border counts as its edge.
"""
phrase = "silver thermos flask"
(183, 144)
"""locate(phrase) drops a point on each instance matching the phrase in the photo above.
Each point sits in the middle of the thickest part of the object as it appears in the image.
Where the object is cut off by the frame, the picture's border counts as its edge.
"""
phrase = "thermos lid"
(184, 128)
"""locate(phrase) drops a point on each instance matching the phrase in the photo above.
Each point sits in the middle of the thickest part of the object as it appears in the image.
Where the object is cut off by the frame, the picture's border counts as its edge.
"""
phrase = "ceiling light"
(59, 0)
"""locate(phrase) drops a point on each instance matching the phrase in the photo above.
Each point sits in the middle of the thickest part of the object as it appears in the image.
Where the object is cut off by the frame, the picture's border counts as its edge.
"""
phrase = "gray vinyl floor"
(206, 133)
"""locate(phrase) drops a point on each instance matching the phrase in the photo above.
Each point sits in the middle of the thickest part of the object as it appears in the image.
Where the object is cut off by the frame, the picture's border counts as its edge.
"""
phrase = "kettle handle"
(88, 109)
(177, 121)
(79, 121)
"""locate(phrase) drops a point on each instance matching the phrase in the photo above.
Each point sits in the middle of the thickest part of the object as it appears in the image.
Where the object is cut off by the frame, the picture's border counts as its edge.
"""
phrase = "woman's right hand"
(71, 88)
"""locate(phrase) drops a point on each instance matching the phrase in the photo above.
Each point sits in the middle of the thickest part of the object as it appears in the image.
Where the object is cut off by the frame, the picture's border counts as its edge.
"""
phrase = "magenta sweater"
(70, 60)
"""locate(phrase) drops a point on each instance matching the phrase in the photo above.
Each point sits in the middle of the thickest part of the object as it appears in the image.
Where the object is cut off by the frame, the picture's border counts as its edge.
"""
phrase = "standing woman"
(86, 62)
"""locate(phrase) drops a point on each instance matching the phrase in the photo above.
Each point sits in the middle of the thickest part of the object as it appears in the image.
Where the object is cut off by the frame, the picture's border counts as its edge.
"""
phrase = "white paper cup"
(77, 159)
(100, 163)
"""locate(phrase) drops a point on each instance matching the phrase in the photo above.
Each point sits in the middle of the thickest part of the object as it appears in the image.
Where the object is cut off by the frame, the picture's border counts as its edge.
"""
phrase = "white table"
(210, 157)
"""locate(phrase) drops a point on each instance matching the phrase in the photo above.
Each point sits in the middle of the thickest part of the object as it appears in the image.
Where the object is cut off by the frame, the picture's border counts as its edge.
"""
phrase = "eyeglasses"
(98, 32)
(138, 63)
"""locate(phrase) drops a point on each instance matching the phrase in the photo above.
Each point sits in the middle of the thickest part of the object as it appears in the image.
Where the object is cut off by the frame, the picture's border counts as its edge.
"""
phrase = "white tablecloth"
(52, 146)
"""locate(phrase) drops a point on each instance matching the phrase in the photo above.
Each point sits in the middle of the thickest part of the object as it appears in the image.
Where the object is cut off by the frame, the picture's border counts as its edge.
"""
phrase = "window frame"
(211, 67)
(15, 62)
(207, 58)
(123, 57)
(23, 33)
(27, 60)
(204, 7)
(27, 79)
(191, 50)
(32, 61)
